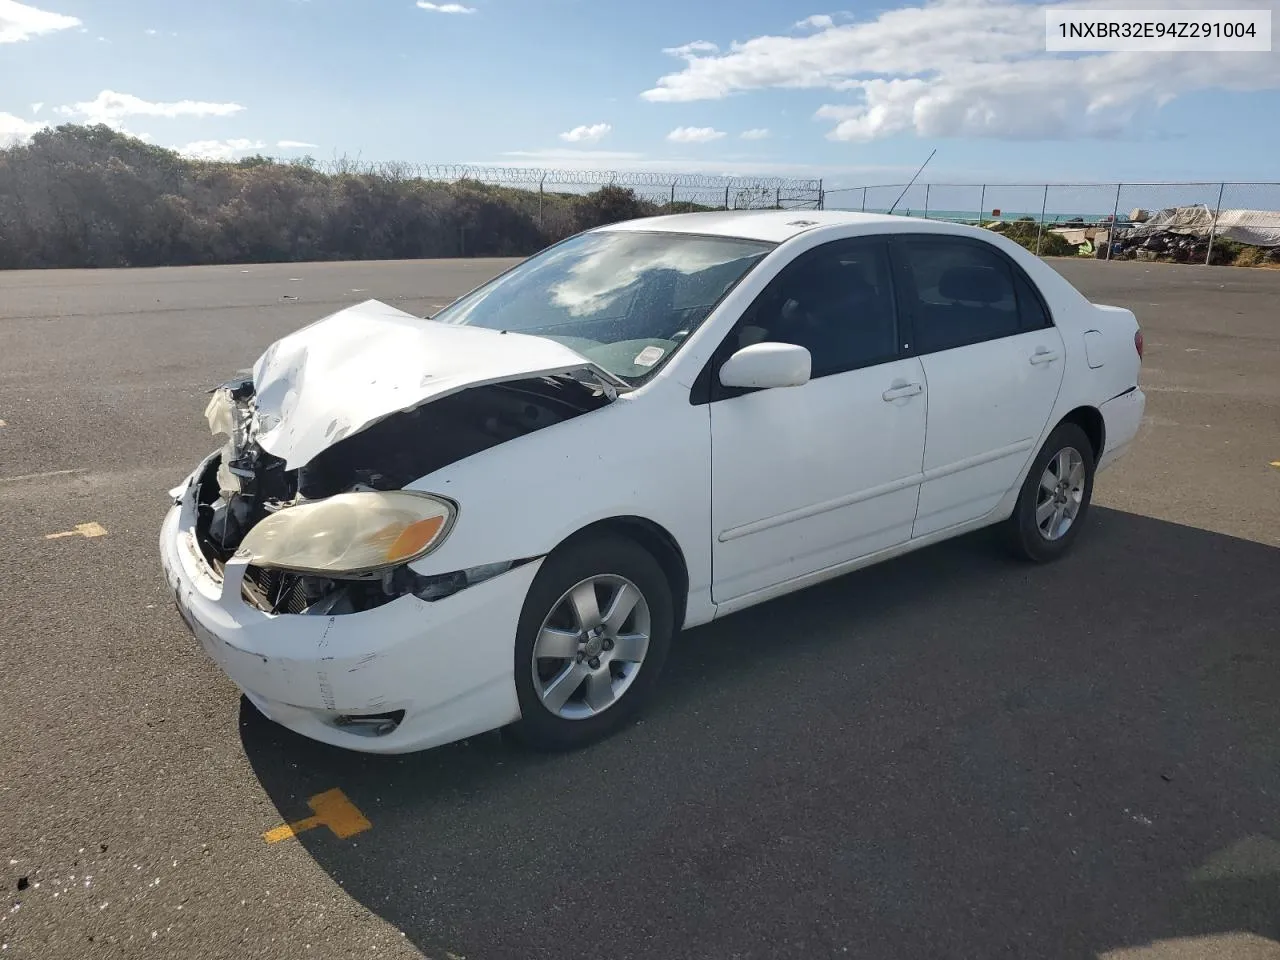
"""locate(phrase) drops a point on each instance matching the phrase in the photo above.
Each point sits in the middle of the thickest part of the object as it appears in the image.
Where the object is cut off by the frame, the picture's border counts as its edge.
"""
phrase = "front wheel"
(592, 639)
(1055, 497)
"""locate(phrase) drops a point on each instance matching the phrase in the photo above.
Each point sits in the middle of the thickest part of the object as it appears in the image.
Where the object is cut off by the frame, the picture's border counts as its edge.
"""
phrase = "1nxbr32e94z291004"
(418, 530)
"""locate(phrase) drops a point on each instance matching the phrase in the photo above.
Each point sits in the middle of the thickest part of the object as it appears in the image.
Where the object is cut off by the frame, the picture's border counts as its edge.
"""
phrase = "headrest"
(975, 284)
(839, 283)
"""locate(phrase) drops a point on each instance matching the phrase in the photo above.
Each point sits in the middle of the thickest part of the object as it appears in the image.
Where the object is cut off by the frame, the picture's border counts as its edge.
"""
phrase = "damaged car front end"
(294, 550)
(338, 534)
(377, 555)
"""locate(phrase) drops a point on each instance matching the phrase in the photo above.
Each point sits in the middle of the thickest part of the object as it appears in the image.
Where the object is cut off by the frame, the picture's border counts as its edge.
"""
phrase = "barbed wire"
(554, 176)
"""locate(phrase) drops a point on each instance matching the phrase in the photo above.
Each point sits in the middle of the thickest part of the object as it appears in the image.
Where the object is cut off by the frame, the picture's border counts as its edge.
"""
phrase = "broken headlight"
(350, 533)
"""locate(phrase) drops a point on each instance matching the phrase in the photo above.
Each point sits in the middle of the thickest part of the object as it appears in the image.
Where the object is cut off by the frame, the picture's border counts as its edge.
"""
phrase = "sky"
(859, 94)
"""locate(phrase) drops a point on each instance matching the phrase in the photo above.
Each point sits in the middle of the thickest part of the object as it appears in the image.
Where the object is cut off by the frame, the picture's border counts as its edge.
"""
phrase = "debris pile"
(1182, 235)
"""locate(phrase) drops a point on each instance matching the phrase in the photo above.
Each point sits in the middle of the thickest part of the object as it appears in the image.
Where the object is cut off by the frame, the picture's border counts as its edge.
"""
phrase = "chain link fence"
(1206, 222)
(673, 191)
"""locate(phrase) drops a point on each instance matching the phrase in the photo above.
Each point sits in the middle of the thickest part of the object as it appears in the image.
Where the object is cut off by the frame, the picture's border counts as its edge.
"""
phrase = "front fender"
(647, 454)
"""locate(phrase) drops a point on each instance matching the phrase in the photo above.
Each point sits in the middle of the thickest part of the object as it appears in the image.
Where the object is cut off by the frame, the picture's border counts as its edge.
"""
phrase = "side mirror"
(764, 366)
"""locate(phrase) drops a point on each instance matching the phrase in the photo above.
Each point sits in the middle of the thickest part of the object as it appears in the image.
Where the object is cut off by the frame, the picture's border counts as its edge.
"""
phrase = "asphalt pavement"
(948, 755)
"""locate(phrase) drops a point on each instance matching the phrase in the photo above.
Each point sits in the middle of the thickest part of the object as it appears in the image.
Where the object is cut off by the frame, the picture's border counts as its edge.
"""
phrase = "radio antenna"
(913, 180)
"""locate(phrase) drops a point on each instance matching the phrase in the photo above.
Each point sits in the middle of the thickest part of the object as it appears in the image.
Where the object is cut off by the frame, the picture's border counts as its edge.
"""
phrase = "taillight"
(1137, 343)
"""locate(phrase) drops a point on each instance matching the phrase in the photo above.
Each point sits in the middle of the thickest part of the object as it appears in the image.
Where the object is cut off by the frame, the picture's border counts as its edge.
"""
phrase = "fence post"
(726, 198)
(777, 199)
(673, 196)
(1111, 230)
(540, 193)
(1217, 211)
(822, 196)
(926, 200)
(864, 199)
(1043, 207)
(982, 205)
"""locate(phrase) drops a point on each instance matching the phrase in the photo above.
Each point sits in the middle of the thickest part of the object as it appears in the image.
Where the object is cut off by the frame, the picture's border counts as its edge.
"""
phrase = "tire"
(1027, 537)
(609, 563)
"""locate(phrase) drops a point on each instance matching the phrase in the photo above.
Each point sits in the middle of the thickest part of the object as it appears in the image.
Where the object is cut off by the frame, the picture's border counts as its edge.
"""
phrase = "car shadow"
(949, 754)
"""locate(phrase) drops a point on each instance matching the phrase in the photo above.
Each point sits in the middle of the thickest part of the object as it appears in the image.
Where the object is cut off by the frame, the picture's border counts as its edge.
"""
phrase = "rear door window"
(959, 293)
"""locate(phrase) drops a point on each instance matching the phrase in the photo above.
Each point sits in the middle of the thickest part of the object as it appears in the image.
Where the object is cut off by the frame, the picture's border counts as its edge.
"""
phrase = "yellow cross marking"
(90, 529)
(332, 810)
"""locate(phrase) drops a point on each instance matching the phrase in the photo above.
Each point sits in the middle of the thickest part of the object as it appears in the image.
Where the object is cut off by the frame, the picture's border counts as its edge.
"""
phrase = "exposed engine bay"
(245, 483)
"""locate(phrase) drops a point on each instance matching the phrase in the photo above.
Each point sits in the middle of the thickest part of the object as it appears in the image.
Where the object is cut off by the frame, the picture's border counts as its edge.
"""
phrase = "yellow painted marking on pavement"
(288, 830)
(1275, 463)
(332, 810)
(90, 529)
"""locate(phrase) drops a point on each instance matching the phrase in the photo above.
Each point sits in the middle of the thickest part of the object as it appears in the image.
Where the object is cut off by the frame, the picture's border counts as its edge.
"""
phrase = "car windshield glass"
(623, 299)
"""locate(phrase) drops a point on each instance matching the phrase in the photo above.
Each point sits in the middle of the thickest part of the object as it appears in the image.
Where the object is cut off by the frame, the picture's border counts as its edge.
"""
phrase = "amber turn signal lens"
(414, 538)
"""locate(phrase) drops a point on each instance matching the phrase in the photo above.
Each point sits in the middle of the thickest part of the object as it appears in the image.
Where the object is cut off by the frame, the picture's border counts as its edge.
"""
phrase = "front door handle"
(1044, 356)
(900, 390)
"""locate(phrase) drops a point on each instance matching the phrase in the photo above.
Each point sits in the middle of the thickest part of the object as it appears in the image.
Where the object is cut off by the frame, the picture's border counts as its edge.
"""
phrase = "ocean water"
(972, 215)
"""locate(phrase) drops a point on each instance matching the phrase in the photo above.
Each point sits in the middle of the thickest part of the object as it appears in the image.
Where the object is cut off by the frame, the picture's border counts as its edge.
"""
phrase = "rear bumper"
(447, 664)
(1122, 416)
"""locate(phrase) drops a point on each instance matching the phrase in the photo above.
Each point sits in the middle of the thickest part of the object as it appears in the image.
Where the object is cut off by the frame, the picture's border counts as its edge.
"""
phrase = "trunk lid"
(355, 367)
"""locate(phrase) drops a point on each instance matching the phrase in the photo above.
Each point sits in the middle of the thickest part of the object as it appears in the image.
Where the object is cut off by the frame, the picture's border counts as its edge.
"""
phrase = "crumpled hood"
(362, 364)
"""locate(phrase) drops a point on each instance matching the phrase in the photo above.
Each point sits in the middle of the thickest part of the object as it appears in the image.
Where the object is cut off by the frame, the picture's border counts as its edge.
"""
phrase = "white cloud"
(296, 145)
(36, 108)
(21, 22)
(967, 68)
(445, 7)
(584, 134)
(15, 130)
(150, 31)
(689, 50)
(694, 134)
(819, 21)
(220, 149)
(112, 108)
(755, 133)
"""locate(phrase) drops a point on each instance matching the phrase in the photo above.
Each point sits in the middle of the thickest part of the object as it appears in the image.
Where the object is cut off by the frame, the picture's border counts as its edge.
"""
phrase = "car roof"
(774, 226)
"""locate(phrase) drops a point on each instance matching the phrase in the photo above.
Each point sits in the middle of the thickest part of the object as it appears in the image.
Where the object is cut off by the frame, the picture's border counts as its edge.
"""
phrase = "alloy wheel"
(1060, 494)
(591, 646)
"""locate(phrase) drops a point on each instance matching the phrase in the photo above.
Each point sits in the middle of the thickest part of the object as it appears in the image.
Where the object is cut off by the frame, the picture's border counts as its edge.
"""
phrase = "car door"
(993, 364)
(807, 477)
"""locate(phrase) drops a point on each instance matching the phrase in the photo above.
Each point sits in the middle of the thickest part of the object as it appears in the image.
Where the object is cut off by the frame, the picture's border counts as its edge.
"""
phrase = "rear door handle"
(1044, 356)
(900, 390)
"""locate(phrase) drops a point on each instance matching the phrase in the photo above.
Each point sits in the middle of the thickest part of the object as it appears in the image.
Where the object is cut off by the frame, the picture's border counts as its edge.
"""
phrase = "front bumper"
(448, 664)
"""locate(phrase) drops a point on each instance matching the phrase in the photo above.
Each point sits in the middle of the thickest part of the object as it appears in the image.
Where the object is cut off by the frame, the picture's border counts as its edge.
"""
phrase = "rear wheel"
(1055, 497)
(592, 639)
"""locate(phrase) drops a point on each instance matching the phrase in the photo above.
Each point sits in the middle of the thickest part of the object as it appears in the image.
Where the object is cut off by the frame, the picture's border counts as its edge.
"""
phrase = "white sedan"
(419, 530)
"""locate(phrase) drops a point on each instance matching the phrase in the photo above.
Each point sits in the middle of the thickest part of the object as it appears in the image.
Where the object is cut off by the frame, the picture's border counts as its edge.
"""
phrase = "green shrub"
(1249, 256)
(1025, 230)
(93, 197)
